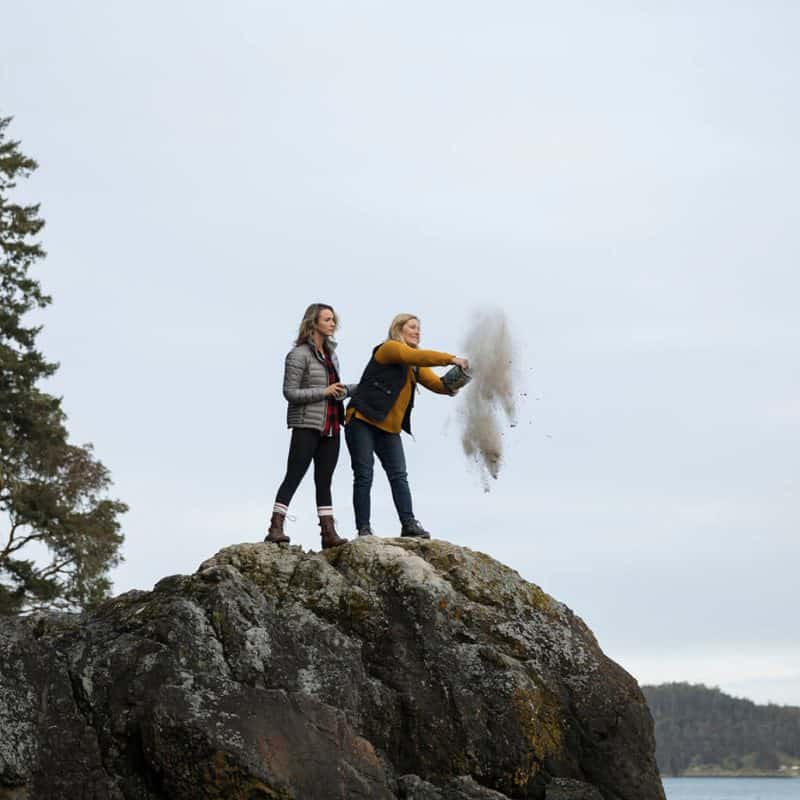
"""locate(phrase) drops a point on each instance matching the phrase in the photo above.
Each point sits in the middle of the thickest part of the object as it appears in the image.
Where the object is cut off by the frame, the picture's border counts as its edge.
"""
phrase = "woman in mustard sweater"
(380, 408)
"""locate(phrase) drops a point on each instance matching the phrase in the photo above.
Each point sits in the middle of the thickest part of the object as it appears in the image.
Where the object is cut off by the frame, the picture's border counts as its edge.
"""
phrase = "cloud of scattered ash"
(490, 395)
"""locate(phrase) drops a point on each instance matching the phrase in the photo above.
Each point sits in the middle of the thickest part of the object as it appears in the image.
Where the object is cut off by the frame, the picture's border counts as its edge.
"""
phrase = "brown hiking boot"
(328, 532)
(275, 533)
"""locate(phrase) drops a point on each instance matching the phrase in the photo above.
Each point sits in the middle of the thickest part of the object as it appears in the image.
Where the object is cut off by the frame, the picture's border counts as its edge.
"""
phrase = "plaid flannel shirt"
(333, 406)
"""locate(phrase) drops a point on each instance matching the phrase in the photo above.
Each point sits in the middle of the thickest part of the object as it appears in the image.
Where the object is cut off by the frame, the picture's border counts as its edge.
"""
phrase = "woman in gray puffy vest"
(314, 391)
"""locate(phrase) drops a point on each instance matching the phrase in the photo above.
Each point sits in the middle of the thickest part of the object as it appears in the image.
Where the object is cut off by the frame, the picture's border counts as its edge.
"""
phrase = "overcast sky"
(620, 178)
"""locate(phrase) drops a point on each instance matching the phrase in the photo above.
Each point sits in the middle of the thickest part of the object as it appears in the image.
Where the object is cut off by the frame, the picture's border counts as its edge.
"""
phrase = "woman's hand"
(337, 390)
(460, 362)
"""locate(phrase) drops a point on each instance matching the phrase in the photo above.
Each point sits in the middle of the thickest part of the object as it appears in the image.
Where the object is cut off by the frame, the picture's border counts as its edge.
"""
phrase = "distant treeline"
(703, 730)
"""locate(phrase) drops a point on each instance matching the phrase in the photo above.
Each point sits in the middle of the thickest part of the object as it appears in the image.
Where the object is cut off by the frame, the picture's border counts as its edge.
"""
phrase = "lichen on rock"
(385, 668)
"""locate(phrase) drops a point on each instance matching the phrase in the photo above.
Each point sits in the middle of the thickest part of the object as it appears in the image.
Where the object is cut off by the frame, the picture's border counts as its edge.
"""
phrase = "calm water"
(732, 788)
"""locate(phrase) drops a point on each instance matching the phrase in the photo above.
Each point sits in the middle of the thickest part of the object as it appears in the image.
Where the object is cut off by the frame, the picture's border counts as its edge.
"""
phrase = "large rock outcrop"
(383, 669)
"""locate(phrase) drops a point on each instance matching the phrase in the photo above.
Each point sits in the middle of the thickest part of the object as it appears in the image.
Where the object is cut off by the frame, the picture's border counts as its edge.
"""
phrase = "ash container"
(455, 378)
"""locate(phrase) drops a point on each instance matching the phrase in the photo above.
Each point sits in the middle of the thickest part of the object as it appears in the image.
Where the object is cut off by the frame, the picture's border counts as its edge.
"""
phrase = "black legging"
(308, 444)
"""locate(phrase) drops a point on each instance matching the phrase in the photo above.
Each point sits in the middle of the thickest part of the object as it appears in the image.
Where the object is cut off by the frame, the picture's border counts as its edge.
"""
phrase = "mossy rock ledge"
(385, 668)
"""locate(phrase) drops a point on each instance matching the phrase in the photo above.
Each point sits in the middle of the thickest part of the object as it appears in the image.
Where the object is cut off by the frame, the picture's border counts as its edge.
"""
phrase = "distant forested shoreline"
(702, 731)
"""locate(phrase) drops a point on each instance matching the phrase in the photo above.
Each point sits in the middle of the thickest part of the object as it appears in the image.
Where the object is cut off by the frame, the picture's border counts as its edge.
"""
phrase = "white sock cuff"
(280, 508)
(325, 511)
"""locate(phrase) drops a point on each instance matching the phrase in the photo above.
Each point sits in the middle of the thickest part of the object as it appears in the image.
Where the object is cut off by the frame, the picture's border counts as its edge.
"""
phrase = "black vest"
(378, 390)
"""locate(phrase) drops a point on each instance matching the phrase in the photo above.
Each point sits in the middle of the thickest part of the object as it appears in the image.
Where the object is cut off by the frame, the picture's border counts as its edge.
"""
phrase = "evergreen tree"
(59, 535)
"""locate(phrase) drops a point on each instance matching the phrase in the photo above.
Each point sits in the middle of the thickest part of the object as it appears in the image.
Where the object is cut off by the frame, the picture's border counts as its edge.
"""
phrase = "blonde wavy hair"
(310, 320)
(397, 324)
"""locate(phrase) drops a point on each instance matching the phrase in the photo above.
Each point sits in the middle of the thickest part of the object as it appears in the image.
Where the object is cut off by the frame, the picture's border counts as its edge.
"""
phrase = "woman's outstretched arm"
(393, 352)
(430, 380)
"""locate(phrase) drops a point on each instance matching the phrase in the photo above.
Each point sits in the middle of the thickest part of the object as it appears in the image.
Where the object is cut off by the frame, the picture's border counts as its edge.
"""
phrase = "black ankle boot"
(412, 528)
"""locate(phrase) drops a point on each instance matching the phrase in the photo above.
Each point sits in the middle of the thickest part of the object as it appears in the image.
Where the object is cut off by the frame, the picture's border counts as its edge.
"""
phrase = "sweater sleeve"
(392, 352)
(430, 380)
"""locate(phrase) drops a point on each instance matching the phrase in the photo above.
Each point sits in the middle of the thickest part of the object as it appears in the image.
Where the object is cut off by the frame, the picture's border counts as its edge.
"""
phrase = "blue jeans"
(364, 441)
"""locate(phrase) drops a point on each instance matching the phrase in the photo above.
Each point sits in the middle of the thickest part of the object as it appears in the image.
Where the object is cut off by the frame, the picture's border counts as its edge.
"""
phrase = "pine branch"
(54, 569)
(19, 544)
(9, 548)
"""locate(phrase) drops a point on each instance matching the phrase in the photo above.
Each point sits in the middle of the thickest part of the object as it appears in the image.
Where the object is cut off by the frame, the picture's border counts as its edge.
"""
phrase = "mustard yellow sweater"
(392, 352)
